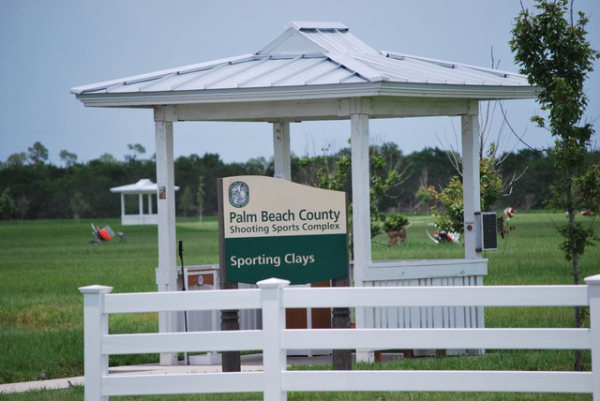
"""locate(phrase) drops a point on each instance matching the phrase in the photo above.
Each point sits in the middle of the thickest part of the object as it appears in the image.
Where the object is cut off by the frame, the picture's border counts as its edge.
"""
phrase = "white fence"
(272, 297)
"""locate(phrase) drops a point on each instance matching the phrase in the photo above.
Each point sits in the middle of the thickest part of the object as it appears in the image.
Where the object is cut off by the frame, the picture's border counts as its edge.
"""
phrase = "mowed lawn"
(43, 263)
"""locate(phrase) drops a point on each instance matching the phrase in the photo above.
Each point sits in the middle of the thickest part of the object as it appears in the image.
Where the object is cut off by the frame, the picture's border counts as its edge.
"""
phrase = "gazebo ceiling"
(308, 61)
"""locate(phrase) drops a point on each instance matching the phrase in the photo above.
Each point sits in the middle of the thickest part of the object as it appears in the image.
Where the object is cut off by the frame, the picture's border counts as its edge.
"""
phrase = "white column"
(150, 211)
(141, 203)
(471, 182)
(95, 326)
(281, 151)
(166, 275)
(274, 358)
(361, 213)
(122, 204)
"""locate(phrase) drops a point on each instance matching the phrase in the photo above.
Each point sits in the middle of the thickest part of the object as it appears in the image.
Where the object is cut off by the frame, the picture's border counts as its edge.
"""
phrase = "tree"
(107, 158)
(451, 218)
(79, 206)
(186, 202)
(68, 158)
(38, 154)
(200, 197)
(552, 50)
(7, 205)
(22, 207)
(17, 159)
(332, 173)
(137, 150)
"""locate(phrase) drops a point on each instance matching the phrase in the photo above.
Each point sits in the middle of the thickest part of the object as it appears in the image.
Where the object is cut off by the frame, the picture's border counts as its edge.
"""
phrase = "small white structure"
(145, 216)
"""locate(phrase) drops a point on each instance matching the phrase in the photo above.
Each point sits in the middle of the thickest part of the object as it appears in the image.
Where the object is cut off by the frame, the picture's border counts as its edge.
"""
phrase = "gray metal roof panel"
(338, 41)
(308, 54)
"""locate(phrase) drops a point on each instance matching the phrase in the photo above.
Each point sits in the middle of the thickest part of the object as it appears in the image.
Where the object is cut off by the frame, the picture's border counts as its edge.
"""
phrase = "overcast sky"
(48, 47)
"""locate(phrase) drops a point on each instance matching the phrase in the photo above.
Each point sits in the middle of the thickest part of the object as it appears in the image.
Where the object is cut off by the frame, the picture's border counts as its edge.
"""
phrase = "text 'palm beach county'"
(320, 221)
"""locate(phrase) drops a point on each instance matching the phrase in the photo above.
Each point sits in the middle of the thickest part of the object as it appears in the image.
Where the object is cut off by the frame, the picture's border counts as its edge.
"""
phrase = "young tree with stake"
(553, 52)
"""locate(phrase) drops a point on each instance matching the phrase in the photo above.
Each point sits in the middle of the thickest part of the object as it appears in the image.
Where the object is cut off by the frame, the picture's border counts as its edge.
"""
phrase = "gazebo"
(145, 216)
(320, 71)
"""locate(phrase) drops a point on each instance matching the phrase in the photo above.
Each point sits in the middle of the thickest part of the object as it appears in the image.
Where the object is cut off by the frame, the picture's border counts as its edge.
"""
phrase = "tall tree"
(38, 154)
(68, 158)
(137, 150)
(17, 159)
(552, 50)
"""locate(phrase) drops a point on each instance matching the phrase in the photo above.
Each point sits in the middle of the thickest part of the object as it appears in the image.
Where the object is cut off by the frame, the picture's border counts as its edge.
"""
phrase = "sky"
(48, 47)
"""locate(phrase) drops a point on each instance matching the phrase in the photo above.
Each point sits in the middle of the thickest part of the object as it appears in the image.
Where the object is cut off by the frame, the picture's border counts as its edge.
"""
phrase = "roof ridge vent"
(313, 25)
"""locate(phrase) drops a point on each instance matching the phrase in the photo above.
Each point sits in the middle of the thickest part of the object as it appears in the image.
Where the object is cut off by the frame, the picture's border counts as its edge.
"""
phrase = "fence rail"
(273, 298)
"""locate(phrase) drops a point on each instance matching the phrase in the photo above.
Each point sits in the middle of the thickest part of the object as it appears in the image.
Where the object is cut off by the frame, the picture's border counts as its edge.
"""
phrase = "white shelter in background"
(320, 71)
(146, 215)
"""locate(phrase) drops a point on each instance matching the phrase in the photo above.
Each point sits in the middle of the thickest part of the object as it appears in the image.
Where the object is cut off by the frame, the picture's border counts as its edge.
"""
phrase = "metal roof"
(143, 186)
(309, 59)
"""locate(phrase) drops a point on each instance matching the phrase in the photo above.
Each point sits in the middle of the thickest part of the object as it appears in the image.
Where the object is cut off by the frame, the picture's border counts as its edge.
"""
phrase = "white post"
(141, 203)
(166, 275)
(122, 204)
(361, 213)
(150, 211)
(471, 182)
(594, 302)
(274, 358)
(282, 158)
(95, 326)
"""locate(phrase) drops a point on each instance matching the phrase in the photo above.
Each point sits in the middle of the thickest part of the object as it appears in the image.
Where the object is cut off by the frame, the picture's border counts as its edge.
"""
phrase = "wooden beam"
(326, 109)
(281, 151)
(394, 107)
(471, 180)
(166, 275)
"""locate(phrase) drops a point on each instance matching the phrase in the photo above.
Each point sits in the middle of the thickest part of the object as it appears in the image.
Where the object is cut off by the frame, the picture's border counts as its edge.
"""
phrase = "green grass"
(43, 263)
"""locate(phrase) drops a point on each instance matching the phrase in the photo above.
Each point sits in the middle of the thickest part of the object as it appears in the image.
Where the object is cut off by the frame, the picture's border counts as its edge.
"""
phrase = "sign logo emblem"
(239, 194)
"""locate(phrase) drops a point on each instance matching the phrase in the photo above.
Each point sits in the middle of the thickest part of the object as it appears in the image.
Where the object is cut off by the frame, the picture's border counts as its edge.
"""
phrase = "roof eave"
(366, 89)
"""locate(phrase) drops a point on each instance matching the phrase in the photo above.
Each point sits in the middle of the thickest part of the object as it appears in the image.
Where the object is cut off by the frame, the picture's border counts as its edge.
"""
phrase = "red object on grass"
(104, 234)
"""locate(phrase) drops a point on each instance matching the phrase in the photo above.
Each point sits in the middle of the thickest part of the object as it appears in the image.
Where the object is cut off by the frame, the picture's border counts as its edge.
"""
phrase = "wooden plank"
(392, 312)
(436, 296)
(178, 301)
(439, 338)
(118, 385)
(147, 343)
(505, 381)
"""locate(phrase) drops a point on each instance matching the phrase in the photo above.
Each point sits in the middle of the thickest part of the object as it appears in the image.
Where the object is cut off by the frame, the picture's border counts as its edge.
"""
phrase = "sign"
(276, 228)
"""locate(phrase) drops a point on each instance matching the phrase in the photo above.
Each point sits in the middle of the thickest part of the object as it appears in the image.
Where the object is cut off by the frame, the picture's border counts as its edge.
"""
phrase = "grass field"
(43, 263)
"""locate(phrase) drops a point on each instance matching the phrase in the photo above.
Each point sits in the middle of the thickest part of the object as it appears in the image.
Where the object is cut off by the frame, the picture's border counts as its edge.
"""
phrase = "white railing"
(272, 297)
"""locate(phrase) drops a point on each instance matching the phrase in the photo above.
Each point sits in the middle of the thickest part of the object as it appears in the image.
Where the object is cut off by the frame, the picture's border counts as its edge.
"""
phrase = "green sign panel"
(276, 228)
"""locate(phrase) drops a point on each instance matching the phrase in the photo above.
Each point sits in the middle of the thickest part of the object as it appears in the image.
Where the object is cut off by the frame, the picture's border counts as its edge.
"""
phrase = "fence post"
(274, 358)
(95, 326)
(594, 302)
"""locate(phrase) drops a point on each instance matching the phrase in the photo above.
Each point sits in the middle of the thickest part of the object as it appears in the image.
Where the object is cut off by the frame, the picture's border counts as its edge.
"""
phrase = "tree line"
(33, 188)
